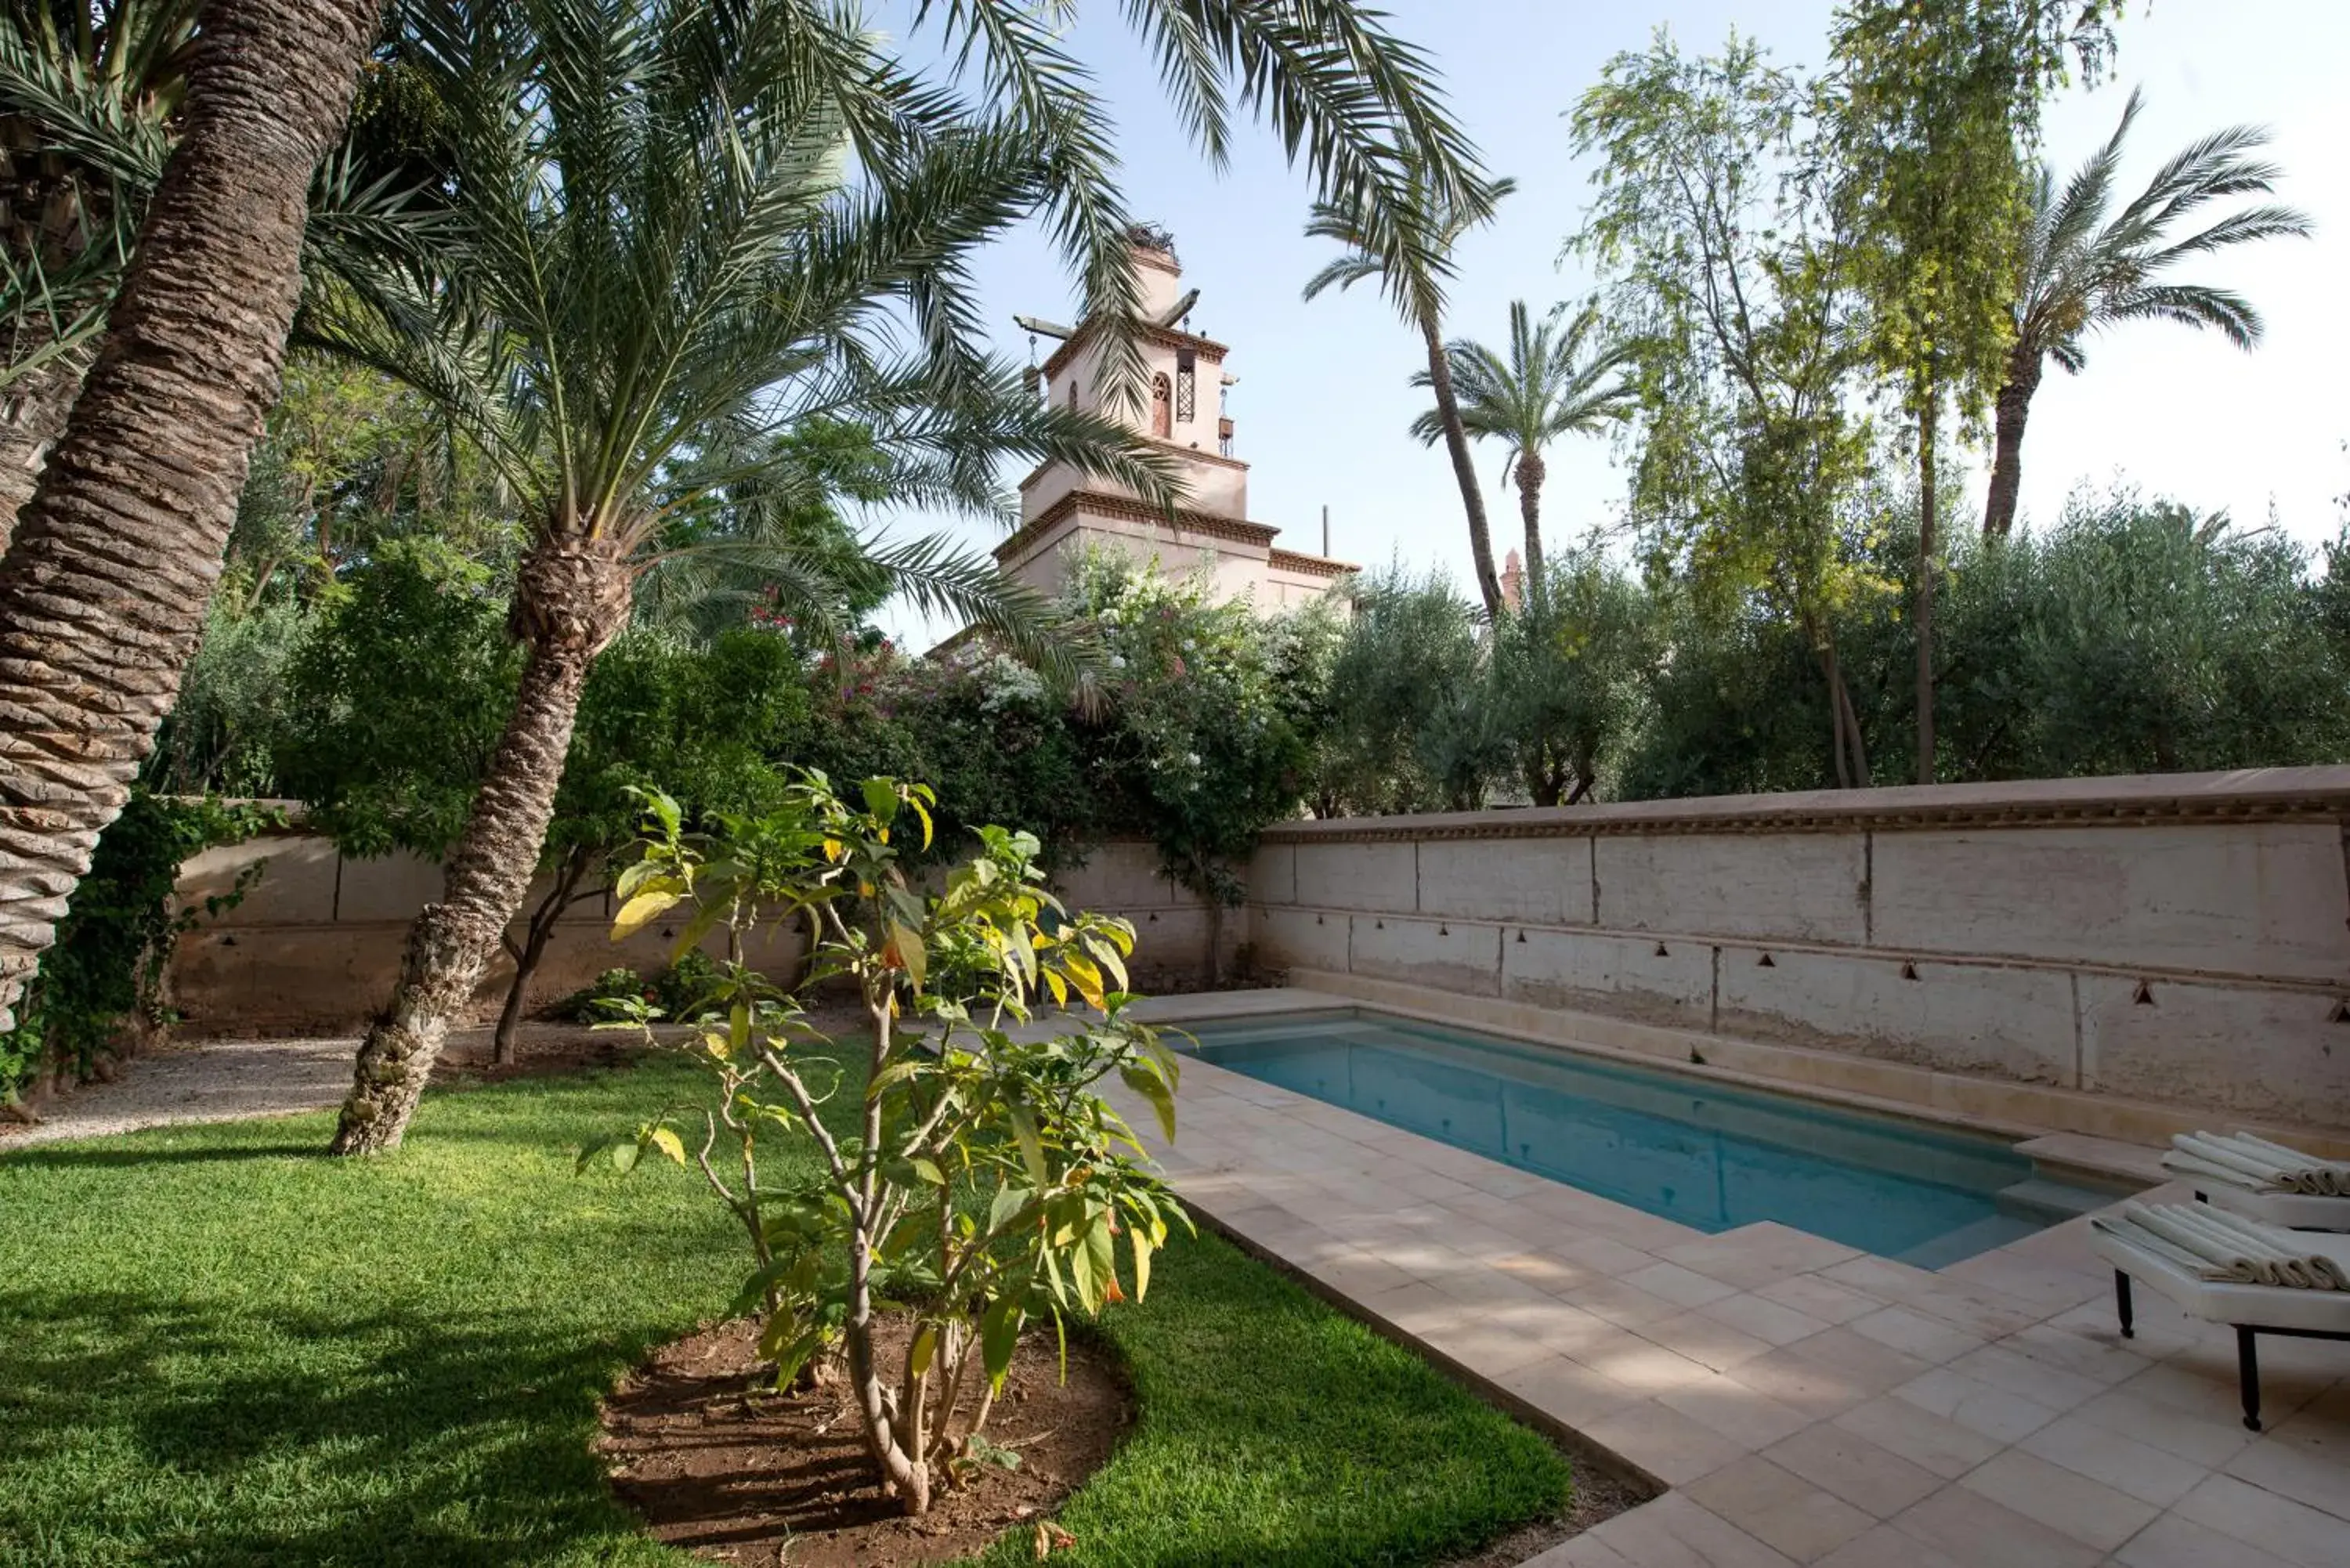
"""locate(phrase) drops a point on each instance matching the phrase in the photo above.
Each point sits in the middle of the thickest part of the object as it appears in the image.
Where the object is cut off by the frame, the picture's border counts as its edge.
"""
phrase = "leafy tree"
(1195, 738)
(1559, 378)
(1412, 279)
(987, 1183)
(1566, 677)
(1936, 102)
(2086, 268)
(1718, 233)
(1407, 728)
(121, 540)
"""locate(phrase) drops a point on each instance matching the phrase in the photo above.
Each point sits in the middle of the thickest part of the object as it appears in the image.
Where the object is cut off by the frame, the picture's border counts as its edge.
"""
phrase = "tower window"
(1073, 391)
(1162, 424)
(1187, 394)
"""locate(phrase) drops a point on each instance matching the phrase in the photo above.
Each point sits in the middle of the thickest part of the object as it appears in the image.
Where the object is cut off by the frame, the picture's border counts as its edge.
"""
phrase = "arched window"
(1073, 391)
(1162, 406)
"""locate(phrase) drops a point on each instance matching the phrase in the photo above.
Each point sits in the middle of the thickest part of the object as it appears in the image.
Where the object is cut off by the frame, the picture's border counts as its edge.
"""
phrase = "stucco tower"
(1182, 412)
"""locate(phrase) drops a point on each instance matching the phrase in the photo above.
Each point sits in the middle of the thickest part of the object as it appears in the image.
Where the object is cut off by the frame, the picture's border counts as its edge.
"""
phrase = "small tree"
(1566, 677)
(983, 1180)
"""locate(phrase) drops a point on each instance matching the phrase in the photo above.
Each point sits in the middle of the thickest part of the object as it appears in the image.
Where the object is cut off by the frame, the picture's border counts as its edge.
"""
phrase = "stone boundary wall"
(314, 947)
(2179, 940)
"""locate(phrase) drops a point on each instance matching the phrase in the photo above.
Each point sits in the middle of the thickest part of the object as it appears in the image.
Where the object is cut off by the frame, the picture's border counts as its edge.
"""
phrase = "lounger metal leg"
(2248, 1372)
(2122, 1303)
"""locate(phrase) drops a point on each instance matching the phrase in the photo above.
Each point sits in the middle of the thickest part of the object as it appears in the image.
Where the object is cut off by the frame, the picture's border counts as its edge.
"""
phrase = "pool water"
(1711, 1156)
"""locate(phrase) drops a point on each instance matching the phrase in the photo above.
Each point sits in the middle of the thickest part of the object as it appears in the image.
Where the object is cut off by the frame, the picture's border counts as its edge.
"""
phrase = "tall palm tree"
(1554, 382)
(1412, 277)
(84, 89)
(669, 265)
(2084, 270)
(103, 592)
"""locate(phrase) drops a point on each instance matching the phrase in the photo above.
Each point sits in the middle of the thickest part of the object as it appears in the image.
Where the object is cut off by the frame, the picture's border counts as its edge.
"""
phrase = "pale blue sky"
(1323, 396)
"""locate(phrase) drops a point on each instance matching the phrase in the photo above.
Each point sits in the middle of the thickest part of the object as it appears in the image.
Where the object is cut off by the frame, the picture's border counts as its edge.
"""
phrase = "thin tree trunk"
(1836, 750)
(2014, 407)
(1464, 471)
(559, 897)
(1531, 473)
(33, 411)
(102, 593)
(1924, 613)
(573, 598)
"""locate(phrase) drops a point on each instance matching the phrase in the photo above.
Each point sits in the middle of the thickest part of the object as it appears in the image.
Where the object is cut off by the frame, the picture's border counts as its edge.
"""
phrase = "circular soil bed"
(701, 1444)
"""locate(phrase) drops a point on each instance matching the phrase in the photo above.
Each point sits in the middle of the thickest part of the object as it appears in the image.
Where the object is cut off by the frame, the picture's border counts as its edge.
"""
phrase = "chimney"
(1513, 576)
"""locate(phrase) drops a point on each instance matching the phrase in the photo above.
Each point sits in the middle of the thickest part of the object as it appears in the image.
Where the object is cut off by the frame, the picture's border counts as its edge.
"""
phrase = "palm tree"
(659, 282)
(84, 88)
(1553, 383)
(1412, 278)
(103, 592)
(2085, 271)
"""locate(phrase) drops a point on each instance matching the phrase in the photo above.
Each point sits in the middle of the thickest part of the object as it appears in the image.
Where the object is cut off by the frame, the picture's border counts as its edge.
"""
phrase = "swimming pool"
(1709, 1156)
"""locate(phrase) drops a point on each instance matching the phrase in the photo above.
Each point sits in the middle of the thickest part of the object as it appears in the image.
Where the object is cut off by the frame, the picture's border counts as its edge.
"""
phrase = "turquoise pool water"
(1713, 1156)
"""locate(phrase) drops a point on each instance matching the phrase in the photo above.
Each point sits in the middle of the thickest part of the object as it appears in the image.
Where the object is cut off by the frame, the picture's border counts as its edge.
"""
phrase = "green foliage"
(1407, 725)
(190, 1377)
(985, 1181)
(398, 698)
(1566, 677)
(1200, 741)
(105, 974)
(223, 734)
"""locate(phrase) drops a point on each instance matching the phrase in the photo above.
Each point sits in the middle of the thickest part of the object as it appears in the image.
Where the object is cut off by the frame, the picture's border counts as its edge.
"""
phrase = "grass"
(218, 1348)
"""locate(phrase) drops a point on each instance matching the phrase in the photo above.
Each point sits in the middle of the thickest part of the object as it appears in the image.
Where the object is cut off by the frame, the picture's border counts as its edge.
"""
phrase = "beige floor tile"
(1610, 1257)
(1416, 1308)
(1980, 1532)
(2171, 1542)
(2035, 1380)
(2121, 1462)
(1571, 1331)
(1817, 1296)
(1780, 1509)
(1875, 1479)
(1675, 1531)
(2308, 1460)
(1486, 1348)
(1581, 1551)
(1550, 1275)
(2103, 1359)
(1883, 1278)
(1645, 1365)
(1724, 1404)
(1745, 1258)
(2207, 1440)
(1925, 1439)
(1977, 1310)
(1356, 1273)
(1626, 1305)
(1774, 1322)
(1928, 1338)
(1817, 1389)
(1976, 1406)
(1568, 1392)
(1705, 1340)
(1886, 1547)
(1875, 1365)
(2277, 1524)
(2089, 1511)
(1684, 1287)
(1663, 1442)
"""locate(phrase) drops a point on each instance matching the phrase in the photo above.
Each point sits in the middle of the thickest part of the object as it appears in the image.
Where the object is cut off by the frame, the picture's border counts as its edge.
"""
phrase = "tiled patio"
(1799, 1401)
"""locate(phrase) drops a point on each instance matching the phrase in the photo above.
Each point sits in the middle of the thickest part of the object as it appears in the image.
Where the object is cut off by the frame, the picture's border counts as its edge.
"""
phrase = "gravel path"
(206, 1081)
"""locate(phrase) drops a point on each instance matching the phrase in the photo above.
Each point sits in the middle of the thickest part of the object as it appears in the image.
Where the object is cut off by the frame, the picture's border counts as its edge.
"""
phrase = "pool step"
(1968, 1241)
(2050, 1202)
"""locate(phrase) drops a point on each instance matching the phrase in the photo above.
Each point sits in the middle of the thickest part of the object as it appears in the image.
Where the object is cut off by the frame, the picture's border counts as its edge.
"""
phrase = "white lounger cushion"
(2294, 1210)
(2260, 1306)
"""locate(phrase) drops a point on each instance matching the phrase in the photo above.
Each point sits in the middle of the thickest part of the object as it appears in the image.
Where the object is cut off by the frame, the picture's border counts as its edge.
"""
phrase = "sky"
(1323, 397)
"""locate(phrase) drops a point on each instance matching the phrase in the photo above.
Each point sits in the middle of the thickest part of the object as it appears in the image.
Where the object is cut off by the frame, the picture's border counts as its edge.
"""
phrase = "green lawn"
(218, 1348)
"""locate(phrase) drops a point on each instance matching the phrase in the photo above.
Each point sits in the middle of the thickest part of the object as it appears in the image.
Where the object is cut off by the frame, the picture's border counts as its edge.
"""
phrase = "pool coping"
(1404, 1234)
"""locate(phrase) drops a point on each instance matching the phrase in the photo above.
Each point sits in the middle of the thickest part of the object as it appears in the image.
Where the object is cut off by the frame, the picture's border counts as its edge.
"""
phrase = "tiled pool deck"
(1800, 1402)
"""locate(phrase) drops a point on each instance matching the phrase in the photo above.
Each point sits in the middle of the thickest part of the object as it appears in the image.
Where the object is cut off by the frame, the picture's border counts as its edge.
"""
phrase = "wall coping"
(2270, 795)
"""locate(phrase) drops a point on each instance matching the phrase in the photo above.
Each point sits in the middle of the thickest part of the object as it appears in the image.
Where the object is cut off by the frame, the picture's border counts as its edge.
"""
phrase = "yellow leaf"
(669, 1143)
(642, 912)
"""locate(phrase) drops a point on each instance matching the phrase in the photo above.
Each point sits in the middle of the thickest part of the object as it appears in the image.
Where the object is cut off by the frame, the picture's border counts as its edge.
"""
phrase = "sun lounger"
(2298, 1311)
(2262, 1181)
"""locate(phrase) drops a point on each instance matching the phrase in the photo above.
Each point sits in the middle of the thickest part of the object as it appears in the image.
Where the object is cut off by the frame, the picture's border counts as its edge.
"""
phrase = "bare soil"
(718, 1463)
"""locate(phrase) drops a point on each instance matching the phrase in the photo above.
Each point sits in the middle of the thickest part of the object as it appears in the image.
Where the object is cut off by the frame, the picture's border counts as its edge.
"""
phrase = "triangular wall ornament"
(1767, 962)
(2341, 1013)
(1661, 952)
(1908, 969)
(2145, 997)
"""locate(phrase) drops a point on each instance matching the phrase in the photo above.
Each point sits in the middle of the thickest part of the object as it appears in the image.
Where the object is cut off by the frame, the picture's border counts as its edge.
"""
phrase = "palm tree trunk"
(1531, 473)
(102, 593)
(2014, 407)
(1924, 613)
(1464, 471)
(573, 598)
